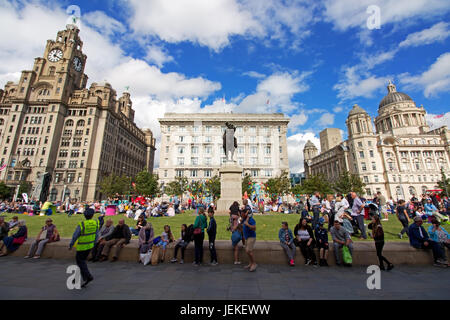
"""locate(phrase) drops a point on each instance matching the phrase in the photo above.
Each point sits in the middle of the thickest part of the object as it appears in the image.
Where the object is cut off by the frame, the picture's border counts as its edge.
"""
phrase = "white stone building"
(396, 154)
(191, 145)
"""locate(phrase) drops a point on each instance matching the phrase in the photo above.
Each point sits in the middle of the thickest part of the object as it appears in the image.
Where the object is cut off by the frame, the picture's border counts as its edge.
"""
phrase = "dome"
(356, 110)
(309, 144)
(393, 96)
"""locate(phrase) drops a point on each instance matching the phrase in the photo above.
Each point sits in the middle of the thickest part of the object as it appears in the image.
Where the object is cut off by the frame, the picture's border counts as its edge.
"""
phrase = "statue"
(229, 141)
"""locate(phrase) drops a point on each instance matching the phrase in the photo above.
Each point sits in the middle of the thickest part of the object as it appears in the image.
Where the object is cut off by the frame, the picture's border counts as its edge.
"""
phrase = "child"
(212, 230)
(166, 238)
(322, 243)
(182, 243)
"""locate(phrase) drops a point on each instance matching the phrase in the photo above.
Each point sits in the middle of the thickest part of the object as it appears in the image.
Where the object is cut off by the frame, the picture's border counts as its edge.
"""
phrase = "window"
(167, 149)
(391, 165)
(281, 149)
(73, 164)
(179, 173)
(181, 138)
(369, 143)
(61, 164)
(208, 139)
(207, 173)
(208, 150)
(252, 139)
(361, 154)
(254, 172)
(240, 150)
(43, 151)
(366, 179)
(79, 177)
(253, 161)
(194, 173)
(360, 144)
(267, 161)
(253, 150)
(165, 173)
(267, 150)
(375, 178)
(63, 153)
(194, 150)
(70, 177)
(371, 153)
(268, 173)
(57, 177)
(207, 161)
(194, 161)
(252, 129)
(241, 161)
(82, 164)
(75, 154)
(363, 166)
(374, 166)
(180, 161)
(181, 150)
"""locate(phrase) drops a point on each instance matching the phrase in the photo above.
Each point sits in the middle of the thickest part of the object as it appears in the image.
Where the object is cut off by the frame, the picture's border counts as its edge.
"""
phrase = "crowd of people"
(344, 214)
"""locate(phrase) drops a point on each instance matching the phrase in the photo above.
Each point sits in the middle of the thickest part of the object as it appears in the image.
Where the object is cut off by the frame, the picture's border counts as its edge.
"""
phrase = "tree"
(214, 186)
(279, 185)
(444, 183)
(349, 182)
(297, 189)
(177, 187)
(316, 183)
(5, 191)
(24, 187)
(247, 183)
(147, 183)
(114, 184)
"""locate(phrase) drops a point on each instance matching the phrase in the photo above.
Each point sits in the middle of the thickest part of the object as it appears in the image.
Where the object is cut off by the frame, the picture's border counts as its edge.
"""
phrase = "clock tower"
(61, 69)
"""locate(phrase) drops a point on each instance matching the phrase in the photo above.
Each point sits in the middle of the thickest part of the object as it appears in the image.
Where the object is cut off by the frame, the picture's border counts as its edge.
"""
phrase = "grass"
(267, 225)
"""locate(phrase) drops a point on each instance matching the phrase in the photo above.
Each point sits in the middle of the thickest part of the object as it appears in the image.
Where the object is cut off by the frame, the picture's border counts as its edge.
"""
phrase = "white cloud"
(370, 61)
(435, 123)
(214, 23)
(297, 120)
(296, 143)
(254, 74)
(355, 83)
(338, 109)
(438, 32)
(103, 23)
(345, 14)
(434, 80)
(325, 120)
(158, 56)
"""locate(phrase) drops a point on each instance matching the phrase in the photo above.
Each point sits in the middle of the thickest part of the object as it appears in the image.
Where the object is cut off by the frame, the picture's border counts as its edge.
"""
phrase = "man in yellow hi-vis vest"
(86, 234)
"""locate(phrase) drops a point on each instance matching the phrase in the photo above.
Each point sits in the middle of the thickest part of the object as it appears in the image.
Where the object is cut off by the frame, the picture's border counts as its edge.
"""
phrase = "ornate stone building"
(396, 154)
(191, 145)
(50, 122)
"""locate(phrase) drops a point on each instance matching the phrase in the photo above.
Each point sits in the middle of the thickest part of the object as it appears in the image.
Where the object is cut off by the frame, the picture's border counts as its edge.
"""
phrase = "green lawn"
(267, 226)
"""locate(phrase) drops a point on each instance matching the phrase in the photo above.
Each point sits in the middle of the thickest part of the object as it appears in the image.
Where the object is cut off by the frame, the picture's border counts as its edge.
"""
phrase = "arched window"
(412, 190)
(69, 123)
(53, 194)
(80, 123)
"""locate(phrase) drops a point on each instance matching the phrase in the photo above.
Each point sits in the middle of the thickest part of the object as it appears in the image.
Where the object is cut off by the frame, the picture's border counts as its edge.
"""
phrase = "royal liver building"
(402, 157)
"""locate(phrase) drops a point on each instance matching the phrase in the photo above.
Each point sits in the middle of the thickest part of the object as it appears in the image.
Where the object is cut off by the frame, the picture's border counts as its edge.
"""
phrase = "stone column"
(230, 186)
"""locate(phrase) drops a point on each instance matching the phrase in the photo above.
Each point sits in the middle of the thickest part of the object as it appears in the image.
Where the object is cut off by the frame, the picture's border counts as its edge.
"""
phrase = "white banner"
(25, 197)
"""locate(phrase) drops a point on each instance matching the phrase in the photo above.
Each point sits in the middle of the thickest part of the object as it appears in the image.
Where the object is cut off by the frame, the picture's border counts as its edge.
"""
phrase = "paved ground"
(46, 279)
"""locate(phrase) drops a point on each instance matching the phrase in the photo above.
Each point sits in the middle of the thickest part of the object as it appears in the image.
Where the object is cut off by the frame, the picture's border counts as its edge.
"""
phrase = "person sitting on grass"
(419, 239)
(182, 243)
(12, 243)
(141, 222)
(166, 238)
(51, 235)
(120, 237)
(287, 242)
(341, 237)
(439, 235)
(306, 241)
(322, 243)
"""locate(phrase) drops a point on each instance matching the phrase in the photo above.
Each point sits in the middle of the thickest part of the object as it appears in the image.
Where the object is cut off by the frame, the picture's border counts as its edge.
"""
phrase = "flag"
(438, 116)
(267, 101)
(3, 167)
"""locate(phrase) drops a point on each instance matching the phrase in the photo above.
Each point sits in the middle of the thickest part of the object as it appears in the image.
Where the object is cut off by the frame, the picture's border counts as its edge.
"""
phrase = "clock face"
(77, 64)
(55, 55)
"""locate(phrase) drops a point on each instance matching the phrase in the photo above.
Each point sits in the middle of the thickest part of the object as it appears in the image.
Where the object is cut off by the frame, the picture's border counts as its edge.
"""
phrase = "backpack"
(190, 232)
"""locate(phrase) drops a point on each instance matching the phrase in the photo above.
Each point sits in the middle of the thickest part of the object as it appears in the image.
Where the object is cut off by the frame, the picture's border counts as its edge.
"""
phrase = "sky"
(311, 60)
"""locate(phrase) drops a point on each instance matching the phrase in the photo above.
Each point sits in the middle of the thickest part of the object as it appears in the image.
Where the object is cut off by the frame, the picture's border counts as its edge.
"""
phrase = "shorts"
(235, 238)
(323, 245)
(249, 244)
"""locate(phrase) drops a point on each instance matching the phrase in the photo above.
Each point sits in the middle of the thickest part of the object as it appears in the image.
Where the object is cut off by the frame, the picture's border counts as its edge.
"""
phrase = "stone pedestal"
(230, 186)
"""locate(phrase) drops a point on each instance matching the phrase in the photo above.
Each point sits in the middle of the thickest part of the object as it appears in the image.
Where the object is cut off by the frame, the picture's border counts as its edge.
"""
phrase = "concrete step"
(266, 252)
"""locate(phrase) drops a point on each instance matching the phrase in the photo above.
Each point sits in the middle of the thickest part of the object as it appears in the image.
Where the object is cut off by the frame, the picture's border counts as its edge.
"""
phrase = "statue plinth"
(230, 185)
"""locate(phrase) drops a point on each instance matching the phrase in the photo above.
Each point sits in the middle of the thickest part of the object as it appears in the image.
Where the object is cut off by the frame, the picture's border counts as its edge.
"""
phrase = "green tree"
(316, 183)
(213, 186)
(297, 189)
(444, 183)
(348, 182)
(5, 191)
(24, 187)
(279, 185)
(247, 183)
(146, 183)
(114, 184)
(177, 187)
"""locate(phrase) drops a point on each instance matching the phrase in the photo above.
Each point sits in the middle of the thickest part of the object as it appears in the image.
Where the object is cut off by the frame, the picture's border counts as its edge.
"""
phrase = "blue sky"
(311, 60)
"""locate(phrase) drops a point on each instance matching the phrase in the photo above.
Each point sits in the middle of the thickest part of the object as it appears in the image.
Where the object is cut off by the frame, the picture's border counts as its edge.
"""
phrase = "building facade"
(191, 145)
(396, 154)
(51, 123)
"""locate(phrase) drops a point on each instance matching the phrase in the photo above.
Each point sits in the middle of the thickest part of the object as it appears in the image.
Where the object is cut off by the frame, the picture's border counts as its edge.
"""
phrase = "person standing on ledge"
(86, 234)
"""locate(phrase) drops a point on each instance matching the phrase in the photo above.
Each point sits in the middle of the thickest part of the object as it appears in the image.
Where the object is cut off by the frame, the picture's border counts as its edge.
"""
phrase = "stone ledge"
(266, 252)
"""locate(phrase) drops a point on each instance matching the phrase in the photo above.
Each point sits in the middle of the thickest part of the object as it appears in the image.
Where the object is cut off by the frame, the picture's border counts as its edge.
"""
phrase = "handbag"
(19, 240)
(43, 235)
(197, 231)
(346, 256)
(145, 258)
(156, 240)
(155, 255)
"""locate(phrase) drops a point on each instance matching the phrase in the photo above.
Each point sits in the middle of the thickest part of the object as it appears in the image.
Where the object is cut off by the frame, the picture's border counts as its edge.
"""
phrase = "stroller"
(373, 210)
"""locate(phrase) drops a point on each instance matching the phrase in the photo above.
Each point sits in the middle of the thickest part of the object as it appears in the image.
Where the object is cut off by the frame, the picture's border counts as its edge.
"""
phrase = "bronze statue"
(229, 141)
